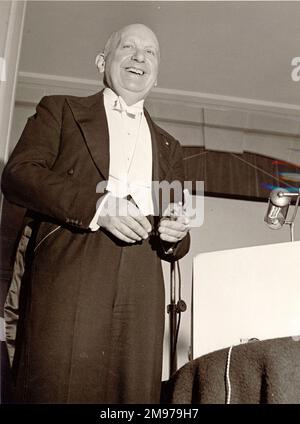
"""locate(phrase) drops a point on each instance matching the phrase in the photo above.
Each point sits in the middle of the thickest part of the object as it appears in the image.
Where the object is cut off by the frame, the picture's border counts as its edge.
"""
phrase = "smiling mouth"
(135, 71)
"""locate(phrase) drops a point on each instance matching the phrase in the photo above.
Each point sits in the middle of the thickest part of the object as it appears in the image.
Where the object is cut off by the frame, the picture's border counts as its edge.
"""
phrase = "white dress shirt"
(130, 154)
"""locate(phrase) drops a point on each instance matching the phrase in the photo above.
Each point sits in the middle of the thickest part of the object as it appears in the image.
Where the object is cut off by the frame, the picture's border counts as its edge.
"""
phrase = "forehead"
(141, 34)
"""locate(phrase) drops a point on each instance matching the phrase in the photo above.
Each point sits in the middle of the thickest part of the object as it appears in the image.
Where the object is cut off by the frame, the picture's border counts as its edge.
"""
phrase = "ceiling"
(241, 49)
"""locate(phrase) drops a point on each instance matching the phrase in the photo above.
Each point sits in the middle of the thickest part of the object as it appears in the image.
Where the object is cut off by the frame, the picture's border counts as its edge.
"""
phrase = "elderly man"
(92, 298)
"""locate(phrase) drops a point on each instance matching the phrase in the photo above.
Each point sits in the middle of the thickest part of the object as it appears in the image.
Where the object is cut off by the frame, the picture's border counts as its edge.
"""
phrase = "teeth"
(136, 71)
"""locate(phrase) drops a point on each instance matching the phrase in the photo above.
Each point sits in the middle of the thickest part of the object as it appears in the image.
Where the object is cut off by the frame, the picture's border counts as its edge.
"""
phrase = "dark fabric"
(91, 307)
(6, 383)
(246, 175)
(260, 372)
(11, 307)
(11, 227)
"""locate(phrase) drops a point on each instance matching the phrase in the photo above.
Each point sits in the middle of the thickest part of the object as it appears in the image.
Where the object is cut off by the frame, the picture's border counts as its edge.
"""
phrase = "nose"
(138, 55)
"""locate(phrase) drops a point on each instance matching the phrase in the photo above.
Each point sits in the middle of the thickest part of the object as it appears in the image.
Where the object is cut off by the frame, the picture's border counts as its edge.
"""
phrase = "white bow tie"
(131, 111)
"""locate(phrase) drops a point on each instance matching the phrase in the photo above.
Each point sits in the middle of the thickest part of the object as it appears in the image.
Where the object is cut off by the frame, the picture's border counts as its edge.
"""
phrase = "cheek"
(154, 69)
(114, 72)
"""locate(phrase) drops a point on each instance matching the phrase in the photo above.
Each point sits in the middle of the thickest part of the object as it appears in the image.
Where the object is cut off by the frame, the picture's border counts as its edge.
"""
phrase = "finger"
(135, 227)
(173, 225)
(121, 236)
(123, 228)
(170, 239)
(135, 213)
(183, 219)
(144, 222)
(170, 232)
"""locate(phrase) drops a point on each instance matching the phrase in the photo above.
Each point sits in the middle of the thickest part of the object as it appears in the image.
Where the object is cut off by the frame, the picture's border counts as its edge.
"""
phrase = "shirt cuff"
(94, 226)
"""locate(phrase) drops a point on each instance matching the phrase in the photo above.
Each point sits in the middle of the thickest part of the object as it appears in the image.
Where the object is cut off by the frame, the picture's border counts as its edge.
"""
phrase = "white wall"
(4, 18)
(21, 114)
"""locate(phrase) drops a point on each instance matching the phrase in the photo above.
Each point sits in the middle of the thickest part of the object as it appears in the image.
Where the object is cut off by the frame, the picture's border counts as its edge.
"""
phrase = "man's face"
(131, 67)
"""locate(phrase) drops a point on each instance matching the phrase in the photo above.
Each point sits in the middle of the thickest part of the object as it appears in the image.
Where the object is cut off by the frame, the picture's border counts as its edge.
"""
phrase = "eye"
(127, 46)
(151, 52)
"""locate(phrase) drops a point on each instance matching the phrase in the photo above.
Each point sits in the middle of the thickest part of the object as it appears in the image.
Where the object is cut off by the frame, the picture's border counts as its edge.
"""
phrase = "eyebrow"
(151, 46)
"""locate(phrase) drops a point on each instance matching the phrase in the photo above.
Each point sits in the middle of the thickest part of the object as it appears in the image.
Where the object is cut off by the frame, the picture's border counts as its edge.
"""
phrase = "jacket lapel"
(161, 164)
(89, 113)
(160, 155)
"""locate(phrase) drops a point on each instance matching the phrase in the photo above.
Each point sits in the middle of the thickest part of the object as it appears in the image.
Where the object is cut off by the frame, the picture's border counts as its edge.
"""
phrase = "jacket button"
(71, 171)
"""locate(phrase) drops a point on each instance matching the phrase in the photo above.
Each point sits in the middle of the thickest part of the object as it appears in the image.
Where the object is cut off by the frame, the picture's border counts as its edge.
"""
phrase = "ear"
(100, 62)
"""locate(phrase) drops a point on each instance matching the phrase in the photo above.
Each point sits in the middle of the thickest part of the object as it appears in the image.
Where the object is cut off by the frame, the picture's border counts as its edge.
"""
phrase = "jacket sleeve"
(180, 249)
(28, 179)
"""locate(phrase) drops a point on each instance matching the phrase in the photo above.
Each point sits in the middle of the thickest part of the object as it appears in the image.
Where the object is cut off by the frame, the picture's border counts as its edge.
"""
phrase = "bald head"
(131, 58)
(115, 37)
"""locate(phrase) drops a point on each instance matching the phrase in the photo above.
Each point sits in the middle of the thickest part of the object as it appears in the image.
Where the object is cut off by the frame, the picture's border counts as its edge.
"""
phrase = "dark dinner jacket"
(63, 154)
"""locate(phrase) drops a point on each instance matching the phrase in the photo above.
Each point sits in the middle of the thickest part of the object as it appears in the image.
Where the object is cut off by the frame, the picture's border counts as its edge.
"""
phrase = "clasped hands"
(124, 220)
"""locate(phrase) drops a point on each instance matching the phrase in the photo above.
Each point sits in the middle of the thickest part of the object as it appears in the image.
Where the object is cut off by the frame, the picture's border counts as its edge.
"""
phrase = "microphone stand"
(173, 309)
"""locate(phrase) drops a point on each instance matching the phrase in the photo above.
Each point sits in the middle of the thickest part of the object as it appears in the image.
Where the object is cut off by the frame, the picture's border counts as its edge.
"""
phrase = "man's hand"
(173, 231)
(124, 220)
(174, 225)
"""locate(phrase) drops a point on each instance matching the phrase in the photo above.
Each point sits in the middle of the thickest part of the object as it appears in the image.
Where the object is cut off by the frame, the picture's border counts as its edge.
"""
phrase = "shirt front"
(130, 153)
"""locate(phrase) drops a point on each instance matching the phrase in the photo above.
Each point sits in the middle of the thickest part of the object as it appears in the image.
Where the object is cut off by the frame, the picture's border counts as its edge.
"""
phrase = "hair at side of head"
(111, 43)
(109, 46)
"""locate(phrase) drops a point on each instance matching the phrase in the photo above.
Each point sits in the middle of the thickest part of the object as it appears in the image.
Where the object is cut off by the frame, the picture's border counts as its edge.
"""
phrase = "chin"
(138, 90)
